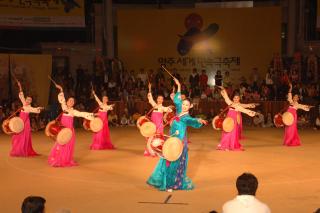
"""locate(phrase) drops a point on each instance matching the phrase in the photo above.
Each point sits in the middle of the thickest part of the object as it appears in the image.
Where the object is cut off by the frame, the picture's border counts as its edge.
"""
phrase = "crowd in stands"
(120, 84)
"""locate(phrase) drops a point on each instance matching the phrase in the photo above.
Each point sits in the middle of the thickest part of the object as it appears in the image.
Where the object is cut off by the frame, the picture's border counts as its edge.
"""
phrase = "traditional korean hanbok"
(230, 140)
(22, 142)
(173, 175)
(101, 139)
(62, 155)
(291, 136)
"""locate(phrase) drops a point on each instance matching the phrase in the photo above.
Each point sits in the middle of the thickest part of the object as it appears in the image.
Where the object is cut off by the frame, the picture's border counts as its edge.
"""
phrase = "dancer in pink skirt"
(101, 139)
(22, 142)
(157, 114)
(230, 140)
(291, 136)
(246, 106)
(62, 155)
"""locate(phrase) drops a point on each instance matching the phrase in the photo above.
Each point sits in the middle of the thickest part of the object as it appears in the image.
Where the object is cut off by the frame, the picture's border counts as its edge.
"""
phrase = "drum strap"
(14, 114)
(223, 111)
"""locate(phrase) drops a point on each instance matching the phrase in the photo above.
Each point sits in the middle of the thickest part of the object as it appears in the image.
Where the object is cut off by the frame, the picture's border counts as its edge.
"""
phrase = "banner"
(32, 71)
(42, 13)
(233, 39)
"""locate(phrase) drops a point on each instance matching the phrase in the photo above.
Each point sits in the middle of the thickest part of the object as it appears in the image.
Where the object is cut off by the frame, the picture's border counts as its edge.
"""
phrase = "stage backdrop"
(42, 13)
(215, 39)
(33, 71)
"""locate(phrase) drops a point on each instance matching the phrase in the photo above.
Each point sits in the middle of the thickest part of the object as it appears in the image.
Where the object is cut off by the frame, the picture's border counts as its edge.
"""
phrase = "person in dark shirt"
(218, 78)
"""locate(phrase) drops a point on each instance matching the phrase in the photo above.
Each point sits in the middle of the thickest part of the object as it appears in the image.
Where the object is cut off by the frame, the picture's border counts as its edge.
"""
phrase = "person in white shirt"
(246, 202)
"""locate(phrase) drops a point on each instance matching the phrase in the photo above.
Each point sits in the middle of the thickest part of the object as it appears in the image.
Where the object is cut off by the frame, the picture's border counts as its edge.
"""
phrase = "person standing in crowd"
(291, 136)
(218, 78)
(62, 155)
(230, 139)
(246, 201)
(194, 78)
(157, 113)
(227, 82)
(173, 175)
(203, 80)
(101, 139)
(22, 142)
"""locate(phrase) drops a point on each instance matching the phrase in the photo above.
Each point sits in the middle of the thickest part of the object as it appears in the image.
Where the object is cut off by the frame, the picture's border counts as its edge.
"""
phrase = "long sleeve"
(22, 98)
(62, 101)
(34, 109)
(178, 102)
(97, 100)
(303, 107)
(86, 115)
(166, 109)
(226, 97)
(251, 105)
(290, 98)
(151, 101)
(246, 111)
(193, 122)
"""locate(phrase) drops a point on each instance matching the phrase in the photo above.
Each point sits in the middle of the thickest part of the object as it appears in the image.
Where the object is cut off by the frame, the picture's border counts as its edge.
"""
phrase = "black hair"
(236, 93)
(33, 204)
(247, 184)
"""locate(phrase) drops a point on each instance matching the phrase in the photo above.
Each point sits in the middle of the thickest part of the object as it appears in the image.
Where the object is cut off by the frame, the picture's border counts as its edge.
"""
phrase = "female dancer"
(22, 142)
(157, 114)
(101, 139)
(291, 136)
(172, 175)
(62, 155)
(230, 140)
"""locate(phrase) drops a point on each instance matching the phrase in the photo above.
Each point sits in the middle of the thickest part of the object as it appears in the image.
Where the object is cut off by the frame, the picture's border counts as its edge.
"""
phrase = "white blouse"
(71, 111)
(27, 107)
(238, 106)
(103, 107)
(157, 107)
(296, 105)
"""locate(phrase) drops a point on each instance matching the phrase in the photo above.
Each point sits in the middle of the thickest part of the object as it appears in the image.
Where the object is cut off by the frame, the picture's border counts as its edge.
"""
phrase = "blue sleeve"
(178, 102)
(193, 122)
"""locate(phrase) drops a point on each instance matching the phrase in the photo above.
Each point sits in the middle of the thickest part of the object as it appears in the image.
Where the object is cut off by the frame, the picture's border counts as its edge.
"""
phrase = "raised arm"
(97, 98)
(225, 96)
(195, 122)
(250, 105)
(290, 94)
(150, 98)
(21, 95)
(35, 109)
(304, 107)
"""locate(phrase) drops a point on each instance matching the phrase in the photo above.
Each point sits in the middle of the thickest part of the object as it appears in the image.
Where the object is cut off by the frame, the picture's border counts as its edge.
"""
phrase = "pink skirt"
(230, 140)
(291, 136)
(22, 142)
(157, 119)
(62, 155)
(101, 139)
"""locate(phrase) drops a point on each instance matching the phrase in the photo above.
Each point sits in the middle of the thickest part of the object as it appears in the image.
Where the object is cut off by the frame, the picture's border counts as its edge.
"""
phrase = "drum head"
(172, 149)
(16, 125)
(214, 123)
(287, 118)
(64, 136)
(148, 129)
(139, 121)
(228, 124)
(96, 124)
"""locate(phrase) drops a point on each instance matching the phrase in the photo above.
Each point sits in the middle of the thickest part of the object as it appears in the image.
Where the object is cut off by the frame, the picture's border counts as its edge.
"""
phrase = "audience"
(246, 201)
(33, 204)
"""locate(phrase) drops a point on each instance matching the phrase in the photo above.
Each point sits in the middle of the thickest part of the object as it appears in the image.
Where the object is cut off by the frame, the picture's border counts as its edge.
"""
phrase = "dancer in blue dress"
(172, 175)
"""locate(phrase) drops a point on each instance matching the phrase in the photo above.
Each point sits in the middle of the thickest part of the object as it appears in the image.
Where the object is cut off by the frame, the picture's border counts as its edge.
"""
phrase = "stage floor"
(115, 181)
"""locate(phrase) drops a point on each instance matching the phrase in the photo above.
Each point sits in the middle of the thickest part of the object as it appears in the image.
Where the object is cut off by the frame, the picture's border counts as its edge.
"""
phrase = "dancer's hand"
(204, 122)
(19, 85)
(149, 86)
(59, 87)
(40, 108)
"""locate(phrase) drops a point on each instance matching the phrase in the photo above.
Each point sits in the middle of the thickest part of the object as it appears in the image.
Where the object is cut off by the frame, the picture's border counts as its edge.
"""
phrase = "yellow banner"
(33, 71)
(42, 13)
(237, 39)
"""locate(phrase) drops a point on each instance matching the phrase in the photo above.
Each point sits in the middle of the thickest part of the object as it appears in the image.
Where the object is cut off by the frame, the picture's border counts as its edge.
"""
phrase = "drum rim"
(164, 149)
(100, 121)
(291, 118)
(20, 121)
(64, 129)
(151, 134)
(225, 120)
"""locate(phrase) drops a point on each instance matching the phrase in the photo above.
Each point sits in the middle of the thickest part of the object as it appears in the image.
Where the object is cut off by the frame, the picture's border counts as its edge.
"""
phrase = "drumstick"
(14, 76)
(52, 81)
(163, 67)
